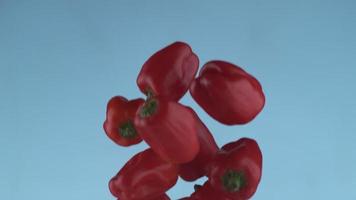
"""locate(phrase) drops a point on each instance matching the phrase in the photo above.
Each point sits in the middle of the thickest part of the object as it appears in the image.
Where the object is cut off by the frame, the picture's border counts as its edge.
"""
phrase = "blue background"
(61, 61)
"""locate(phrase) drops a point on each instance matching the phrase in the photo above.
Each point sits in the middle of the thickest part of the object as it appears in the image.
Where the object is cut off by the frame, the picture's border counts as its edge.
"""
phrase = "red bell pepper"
(207, 192)
(236, 170)
(144, 176)
(162, 197)
(228, 93)
(169, 72)
(169, 128)
(199, 166)
(119, 125)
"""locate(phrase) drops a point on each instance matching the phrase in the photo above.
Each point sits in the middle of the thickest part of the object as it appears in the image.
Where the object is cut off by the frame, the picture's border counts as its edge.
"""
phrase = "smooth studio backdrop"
(61, 61)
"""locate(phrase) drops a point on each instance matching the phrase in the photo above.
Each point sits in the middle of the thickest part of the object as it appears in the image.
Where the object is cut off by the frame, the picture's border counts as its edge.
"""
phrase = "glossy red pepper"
(199, 166)
(144, 176)
(236, 170)
(169, 72)
(162, 197)
(228, 93)
(119, 125)
(207, 192)
(169, 128)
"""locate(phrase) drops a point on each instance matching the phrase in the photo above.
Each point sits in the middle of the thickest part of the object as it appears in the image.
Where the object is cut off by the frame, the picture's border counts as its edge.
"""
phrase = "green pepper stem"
(149, 94)
(233, 180)
(149, 108)
(127, 130)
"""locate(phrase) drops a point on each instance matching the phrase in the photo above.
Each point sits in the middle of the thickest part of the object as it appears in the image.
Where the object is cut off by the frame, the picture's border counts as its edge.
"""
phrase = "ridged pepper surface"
(144, 176)
(237, 169)
(169, 128)
(199, 167)
(169, 72)
(119, 125)
(228, 93)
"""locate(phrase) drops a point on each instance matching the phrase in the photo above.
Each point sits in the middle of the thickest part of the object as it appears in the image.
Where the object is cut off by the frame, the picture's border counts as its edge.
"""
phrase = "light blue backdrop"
(61, 61)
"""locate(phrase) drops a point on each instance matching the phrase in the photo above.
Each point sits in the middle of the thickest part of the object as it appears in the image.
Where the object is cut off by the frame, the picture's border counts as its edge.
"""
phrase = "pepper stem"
(233, 180)
(127, 130)
(149, 108)
(149, 94)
